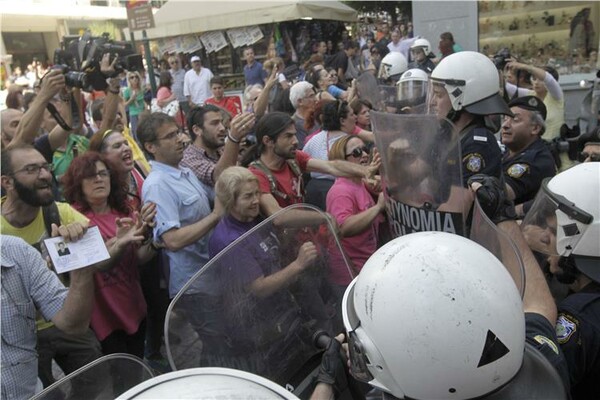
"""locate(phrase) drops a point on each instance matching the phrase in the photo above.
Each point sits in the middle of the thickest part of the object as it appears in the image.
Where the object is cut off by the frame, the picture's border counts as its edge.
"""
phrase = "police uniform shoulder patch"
(473, 162)
(543, 340)
(517, 170)
(566, 326)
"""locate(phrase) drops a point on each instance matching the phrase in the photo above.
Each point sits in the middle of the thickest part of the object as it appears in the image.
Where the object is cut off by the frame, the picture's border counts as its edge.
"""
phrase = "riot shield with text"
(268, 302)
(105, 378)
(487, 234)
(421, 173)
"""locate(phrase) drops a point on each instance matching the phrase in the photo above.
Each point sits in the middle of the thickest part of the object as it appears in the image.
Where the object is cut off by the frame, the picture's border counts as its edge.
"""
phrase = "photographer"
(28, 129)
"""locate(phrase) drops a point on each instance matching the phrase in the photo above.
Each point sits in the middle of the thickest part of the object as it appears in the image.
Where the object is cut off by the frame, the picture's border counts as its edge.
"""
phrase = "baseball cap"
(195, 58)
(530, 103)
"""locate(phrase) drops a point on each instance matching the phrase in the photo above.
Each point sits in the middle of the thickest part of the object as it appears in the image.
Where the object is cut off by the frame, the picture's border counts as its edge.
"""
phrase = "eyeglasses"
(34, 169)
(174, 62)
(594, 157)
(100, 174)
(171, 135)
(358, 152)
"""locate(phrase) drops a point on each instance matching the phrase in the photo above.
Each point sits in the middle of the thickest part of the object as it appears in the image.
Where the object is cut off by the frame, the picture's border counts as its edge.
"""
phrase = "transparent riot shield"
(487, 234)
(208, 383)
(421, 173)
(268, 301)
(105, 378)
(367, 88)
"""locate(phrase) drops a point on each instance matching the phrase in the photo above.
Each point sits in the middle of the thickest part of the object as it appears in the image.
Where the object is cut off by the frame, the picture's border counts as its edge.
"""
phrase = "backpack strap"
(272, 182)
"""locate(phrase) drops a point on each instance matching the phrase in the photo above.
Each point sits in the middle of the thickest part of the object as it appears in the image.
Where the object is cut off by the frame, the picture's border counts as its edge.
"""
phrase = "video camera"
(79, 60)
(501, 58)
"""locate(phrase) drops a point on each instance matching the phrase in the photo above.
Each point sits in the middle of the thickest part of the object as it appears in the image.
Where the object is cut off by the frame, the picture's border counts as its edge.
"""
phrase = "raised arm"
(29, 127)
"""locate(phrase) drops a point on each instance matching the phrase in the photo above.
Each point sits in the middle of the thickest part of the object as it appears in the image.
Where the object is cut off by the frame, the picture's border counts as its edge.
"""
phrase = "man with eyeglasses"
(184, 221)
(590, 152)
(184, 217)
(527, 160)
(303, 99)
(26, 208)
(178, 75)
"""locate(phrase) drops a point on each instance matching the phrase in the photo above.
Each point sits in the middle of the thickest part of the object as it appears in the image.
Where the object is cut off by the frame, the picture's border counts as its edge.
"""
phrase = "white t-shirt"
(197, 85)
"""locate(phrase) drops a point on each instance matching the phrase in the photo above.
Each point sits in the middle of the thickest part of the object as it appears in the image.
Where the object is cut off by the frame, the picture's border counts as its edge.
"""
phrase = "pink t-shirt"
(119, 302)
(163, 93)
(345, 199)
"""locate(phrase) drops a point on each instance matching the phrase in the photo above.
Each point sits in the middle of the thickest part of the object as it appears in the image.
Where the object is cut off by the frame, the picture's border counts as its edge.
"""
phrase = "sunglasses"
(133, 77)
(358, 152)
(582, 156)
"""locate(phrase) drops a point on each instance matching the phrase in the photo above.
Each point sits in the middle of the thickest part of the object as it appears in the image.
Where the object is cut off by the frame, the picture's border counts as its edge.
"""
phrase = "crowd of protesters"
(154, 176)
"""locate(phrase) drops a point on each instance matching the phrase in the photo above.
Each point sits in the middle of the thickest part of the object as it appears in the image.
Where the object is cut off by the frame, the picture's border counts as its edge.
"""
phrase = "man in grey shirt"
(178, 74)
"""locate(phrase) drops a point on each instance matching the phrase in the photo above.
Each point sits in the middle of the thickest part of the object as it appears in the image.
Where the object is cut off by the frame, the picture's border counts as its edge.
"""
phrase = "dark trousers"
(121, 342)
(70, 352)
(157, 299)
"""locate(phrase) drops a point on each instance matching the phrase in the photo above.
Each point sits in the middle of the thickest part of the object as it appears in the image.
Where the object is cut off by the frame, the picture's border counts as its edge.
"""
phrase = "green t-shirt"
(137, 105)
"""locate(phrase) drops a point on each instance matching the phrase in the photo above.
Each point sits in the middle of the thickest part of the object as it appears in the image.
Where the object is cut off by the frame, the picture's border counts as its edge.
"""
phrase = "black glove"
(332, 370)
(492, 198)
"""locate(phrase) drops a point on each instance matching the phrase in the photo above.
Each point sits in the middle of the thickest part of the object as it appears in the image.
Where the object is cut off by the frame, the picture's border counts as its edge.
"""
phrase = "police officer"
(564, 222)
(420, 51)
(527, 160)
(465, 88)
(482, 345)
(392, 67)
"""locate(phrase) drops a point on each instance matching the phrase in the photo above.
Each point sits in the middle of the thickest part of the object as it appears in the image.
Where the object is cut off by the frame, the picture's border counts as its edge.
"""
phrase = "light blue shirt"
(27, 285)
(180, 200)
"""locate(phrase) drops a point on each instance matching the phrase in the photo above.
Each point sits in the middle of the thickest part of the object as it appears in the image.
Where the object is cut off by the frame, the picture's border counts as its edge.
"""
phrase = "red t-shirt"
(287, 181)
(232, 104)
(119, 303)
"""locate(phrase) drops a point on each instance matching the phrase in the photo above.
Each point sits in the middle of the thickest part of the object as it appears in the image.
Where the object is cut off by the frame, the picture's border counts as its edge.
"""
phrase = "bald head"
(9, 120)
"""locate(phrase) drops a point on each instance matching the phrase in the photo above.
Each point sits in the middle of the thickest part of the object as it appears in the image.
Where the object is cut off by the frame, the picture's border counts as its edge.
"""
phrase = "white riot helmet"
(412, 86)
(472, 82)
(564, 219)
(208, 383)
(392, 65)
(434, 315)
(422, 43)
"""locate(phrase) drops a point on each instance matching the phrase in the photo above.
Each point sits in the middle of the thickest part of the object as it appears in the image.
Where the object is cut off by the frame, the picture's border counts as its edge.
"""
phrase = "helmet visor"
(413, 91)
(550, 212)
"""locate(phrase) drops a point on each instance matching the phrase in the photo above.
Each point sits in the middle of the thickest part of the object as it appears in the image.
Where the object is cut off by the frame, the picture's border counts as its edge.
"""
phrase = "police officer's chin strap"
(453, 115)
(569, 270)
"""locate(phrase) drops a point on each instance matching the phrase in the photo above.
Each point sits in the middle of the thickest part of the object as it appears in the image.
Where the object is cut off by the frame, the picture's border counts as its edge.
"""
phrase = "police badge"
(473, 162)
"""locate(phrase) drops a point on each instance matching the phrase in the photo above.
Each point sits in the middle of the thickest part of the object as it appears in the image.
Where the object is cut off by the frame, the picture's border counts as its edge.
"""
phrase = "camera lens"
(76, 79)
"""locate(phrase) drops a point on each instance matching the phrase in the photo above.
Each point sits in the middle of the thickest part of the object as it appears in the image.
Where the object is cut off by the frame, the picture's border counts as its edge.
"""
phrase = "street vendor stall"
(218, 31)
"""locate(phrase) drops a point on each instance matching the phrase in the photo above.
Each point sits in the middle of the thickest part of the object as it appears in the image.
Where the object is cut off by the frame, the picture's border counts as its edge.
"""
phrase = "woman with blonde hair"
(356, 212)
(133, 95)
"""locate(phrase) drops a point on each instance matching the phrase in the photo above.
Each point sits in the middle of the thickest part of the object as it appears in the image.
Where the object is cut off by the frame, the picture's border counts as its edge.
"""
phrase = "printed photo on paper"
(90, 249)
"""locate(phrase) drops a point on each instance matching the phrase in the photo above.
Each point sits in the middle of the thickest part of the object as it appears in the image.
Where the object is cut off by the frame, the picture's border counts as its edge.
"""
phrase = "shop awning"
(185, 17)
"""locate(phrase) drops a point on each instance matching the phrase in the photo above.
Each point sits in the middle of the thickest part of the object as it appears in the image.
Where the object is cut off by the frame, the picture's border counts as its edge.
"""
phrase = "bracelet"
(232, 139)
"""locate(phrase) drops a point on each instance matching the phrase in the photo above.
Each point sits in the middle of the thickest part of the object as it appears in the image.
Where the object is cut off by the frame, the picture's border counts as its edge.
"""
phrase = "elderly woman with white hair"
(254, 292)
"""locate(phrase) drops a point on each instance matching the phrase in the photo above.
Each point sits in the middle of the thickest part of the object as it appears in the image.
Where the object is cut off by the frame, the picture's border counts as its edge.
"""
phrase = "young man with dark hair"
(213, 147)
(231, 104)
